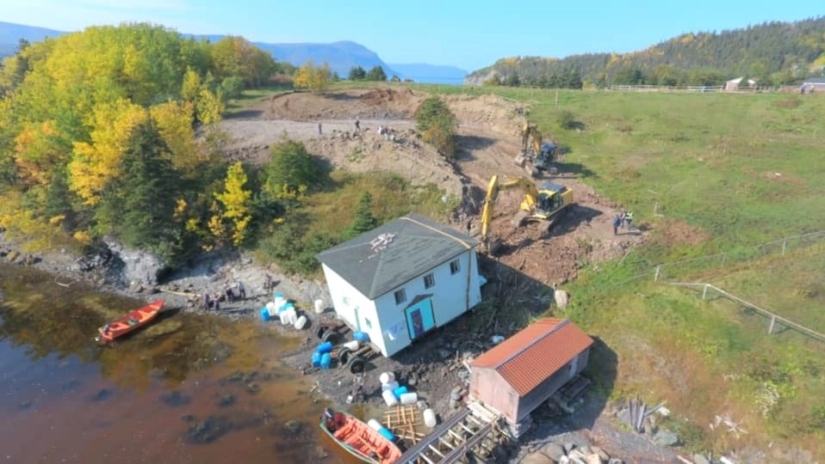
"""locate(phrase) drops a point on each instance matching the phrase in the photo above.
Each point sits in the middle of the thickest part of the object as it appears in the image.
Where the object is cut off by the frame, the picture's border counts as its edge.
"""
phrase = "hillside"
(341, 55)
(777, 53)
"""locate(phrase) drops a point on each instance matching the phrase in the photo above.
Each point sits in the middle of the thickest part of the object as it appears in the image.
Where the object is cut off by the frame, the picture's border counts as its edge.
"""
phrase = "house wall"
(354, 307)
(449, 300)
(488, 387)
(545, 390)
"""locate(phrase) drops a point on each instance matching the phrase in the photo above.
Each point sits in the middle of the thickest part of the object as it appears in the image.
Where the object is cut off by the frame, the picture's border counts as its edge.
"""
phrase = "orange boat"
(131, 321)
(359, 439)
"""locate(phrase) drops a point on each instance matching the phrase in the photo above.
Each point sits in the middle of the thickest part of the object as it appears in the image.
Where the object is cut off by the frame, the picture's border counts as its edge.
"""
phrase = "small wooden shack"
(524, 371)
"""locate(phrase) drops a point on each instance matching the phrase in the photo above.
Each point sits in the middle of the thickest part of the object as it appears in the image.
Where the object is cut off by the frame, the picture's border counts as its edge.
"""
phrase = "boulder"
(562, 298)
(553, 450)
(666, 438)
(537, 458)
(138, 267)
(699, 459)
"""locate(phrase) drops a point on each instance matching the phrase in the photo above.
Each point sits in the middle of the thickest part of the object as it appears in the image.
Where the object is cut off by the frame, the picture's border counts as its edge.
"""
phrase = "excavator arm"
(531, 195)
(532, 150)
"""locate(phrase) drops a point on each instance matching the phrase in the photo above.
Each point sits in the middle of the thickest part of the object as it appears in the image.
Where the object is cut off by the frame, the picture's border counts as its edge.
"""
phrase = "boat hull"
(130, 322)
(358, 439)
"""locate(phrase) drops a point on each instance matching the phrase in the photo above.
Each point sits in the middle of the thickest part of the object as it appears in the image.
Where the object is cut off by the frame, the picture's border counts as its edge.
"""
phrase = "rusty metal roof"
(531, 356)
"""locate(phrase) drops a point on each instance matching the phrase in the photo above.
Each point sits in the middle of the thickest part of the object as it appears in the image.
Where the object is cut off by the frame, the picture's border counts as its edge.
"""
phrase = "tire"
(330, 336)
(344, 355)
(319, 332)
(357, 365)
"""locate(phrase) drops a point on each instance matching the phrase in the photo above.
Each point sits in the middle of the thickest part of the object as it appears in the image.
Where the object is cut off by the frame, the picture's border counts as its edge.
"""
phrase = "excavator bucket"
(520, 160)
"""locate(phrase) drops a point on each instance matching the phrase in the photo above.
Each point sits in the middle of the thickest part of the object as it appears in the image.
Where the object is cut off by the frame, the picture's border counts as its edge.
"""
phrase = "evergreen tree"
(364, 221)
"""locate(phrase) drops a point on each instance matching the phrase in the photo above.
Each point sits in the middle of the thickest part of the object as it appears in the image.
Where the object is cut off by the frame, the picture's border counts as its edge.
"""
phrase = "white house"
(402, 280)
(737, 84)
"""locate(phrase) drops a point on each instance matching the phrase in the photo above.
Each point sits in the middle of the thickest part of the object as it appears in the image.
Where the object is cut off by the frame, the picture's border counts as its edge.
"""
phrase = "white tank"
(352, 346)
(301, 322)
(389, 398)
(284, 317)
(375, 425)
(409, 398)
(386, 377)
(319, 306)
(429, 418)
(391, 386)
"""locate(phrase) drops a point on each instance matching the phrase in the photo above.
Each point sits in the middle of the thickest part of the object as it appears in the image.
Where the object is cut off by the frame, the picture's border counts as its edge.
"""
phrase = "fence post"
(705, 292)
(784, 243)
(656, 276)
(770, 327)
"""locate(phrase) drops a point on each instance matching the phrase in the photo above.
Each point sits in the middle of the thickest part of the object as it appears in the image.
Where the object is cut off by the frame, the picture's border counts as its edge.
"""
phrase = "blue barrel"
(326, 360)
(400, 391)
(316, 359)
(325, 347)
(264, 314)
(285, 307)
(278, 295)
(362, 337)
(386, 433)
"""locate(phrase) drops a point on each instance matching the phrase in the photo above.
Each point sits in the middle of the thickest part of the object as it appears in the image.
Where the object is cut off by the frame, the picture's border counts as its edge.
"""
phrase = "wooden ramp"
(451, 440)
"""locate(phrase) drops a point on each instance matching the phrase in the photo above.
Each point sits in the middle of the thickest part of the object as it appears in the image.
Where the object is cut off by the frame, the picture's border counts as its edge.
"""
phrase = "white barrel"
(389, 398)
(429, 418)
(301, 322)
(292, 316)
(374, 424)
(386, 377)
(278, 303)
(319, 306)
(270, 306)
(391, 386)
(409, 398)
(352, 346)
(284, 317)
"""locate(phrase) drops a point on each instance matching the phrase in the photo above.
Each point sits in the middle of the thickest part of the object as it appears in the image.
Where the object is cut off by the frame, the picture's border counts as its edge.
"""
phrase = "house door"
(420, 318)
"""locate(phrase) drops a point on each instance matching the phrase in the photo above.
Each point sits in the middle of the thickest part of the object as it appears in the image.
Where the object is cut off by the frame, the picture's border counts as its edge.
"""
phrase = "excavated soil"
(489, 138)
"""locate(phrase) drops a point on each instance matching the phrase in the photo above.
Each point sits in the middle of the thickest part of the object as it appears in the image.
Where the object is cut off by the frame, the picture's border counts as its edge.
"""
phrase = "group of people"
(624, 219)
(389, 134)
(213, 301)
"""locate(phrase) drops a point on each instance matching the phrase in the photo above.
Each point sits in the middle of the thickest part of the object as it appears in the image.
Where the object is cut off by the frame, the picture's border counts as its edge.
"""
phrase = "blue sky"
(461, 33)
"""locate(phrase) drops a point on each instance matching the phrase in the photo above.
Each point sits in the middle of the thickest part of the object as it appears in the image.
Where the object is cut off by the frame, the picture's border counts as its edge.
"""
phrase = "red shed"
(524, 371)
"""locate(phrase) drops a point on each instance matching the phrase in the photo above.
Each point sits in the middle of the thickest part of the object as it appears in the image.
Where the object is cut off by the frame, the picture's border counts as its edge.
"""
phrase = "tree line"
(773, 53)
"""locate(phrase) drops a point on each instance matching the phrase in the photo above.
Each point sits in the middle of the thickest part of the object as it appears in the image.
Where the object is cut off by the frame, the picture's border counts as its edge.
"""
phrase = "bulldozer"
(544, 204)
(534, 149)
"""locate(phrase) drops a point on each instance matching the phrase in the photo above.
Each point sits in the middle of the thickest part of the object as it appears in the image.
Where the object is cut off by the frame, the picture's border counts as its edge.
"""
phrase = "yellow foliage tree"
(236, 202)
(174, 121)
(303, 76)
(314, 78)
(94, 164)
(210, 106)
(37, 152)
(191, 87)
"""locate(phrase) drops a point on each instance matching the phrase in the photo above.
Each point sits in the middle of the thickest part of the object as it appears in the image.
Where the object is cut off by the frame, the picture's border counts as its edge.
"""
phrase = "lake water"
(187, 389)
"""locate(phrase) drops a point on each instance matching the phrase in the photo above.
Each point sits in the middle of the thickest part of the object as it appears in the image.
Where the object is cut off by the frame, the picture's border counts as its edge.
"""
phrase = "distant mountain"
(430, 73)
(341, 56)
(776, 53)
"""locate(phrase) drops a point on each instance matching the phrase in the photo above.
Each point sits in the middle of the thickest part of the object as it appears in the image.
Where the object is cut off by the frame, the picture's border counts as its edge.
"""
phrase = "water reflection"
(184, 389)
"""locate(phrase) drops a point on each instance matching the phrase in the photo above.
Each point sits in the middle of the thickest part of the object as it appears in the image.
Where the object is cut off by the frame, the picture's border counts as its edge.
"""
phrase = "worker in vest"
(629, 219)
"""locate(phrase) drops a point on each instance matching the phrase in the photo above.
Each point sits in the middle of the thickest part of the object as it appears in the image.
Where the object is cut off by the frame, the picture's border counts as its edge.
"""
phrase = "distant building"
(522, 372)
(736, 84)
(402, 280)
(814, 83)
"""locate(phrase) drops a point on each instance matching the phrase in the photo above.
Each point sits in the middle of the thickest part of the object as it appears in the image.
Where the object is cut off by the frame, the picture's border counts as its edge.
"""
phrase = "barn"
(402, 280)
(525, 370)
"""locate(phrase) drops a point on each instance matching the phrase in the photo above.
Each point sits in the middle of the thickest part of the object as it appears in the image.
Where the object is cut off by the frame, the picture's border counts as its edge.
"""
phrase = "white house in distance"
(401, 280)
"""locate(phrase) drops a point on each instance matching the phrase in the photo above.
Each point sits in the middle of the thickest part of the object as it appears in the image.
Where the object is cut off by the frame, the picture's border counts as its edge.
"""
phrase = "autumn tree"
(437, 125)
(236, 202)
(314, 78)
(291, 171)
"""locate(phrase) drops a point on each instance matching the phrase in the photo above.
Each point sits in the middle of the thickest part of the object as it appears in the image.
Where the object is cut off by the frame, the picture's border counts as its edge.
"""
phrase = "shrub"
(292, 170)
(567, 120)
(437, 125)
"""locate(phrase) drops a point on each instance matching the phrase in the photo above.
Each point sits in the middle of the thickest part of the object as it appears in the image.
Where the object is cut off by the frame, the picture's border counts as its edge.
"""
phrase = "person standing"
(241, 291)
(357, 126)
(267, 282)
(617, 221)
(320, 129)
(628, 219)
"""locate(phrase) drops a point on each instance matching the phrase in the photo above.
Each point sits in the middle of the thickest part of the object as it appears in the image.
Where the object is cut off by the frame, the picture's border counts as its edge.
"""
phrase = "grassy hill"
(711, 174)
(776, 53)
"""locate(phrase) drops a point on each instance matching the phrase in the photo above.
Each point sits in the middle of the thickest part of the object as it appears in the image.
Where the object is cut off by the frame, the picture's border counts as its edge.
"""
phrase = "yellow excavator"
(539, 153)
(544, 204)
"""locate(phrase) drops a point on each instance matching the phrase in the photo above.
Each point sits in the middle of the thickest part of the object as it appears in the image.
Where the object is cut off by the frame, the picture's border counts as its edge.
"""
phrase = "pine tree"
(364, 221)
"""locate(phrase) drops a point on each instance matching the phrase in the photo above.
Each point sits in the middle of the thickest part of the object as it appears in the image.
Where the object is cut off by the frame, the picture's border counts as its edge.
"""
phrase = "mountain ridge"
(341, 55)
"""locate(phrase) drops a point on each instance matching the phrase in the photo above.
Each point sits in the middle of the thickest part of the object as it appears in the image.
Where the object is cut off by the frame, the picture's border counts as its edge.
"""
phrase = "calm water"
(187, 389)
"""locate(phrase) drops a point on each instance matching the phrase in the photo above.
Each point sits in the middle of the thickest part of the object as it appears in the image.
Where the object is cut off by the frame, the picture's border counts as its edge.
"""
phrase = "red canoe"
(359, 439)
(131, 321)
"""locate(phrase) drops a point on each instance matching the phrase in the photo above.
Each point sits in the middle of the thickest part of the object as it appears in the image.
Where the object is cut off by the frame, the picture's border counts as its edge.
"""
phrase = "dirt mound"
(488, 112)
(375, 103)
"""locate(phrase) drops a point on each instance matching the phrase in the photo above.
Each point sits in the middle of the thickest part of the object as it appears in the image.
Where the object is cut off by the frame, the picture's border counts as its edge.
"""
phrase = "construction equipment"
(539, 153)
(543, 204)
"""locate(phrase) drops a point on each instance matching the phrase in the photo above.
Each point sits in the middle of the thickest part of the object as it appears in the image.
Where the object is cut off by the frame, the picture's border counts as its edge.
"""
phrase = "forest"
(774, 53)
(112, 131)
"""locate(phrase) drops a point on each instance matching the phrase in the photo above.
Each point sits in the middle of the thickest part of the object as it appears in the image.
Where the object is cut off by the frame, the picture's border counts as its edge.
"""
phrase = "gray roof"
(395, 253)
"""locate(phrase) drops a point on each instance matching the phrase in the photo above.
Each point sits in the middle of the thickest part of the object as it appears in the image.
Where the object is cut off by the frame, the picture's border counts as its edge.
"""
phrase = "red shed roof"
(531, 356)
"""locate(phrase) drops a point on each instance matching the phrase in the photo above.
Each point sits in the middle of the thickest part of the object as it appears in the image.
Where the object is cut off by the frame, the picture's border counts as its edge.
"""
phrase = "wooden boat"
(129, 322)
(359, 439)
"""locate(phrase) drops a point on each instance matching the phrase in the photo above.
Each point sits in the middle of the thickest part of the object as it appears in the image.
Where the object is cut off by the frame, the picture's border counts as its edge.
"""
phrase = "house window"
(400, 296)
(429, 280)
(345, 300)
(454, 267)
(367, 323)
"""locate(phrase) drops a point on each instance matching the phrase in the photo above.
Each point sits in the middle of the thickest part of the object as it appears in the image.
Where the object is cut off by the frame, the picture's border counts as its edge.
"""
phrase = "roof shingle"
(391, 255)
(532, 355)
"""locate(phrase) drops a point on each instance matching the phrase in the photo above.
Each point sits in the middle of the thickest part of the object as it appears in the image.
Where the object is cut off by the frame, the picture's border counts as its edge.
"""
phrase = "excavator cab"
(539, 153)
